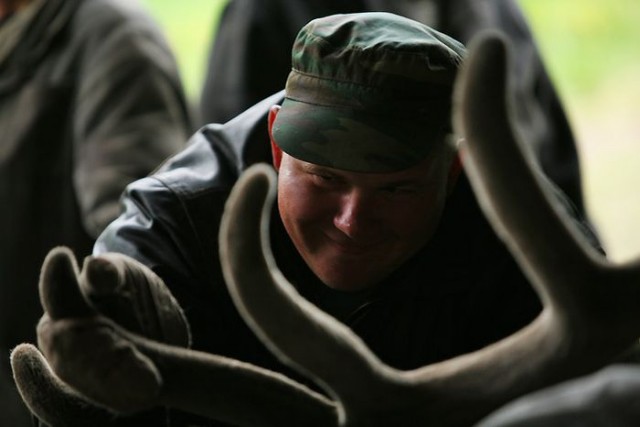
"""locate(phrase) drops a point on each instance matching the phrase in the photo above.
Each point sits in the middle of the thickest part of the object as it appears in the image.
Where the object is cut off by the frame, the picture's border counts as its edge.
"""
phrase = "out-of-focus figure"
(90, 100)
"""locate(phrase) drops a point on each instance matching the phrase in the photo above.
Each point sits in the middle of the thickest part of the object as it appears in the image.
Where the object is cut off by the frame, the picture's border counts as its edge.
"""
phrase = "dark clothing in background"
(251, 58)
(462, 291)
(606, 398)
(90, 100)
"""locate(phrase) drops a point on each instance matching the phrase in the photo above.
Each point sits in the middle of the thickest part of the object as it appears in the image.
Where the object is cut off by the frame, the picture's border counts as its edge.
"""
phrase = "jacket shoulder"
(172, 216)
(217, 154)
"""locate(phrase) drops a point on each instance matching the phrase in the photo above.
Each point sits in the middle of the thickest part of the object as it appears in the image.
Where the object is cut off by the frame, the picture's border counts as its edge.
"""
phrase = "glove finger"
(59, 292)
(104, 285)
(132, 295)
(47, 397)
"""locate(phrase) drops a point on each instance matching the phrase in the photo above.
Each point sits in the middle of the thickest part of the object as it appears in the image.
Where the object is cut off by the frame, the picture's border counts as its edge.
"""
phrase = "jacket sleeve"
(130, 112)
(170, 223)
(157, 229)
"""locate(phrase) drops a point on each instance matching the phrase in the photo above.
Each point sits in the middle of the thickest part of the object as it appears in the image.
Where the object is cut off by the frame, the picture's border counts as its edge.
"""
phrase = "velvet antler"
(590, 307)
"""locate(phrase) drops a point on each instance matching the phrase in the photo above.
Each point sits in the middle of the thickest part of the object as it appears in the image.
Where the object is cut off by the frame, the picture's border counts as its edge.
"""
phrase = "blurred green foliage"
(585, 41)
(189, 26)
(590, 48)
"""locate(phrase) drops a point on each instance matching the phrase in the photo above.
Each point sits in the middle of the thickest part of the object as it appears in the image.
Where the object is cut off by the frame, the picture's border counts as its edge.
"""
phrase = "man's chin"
(348, 283)
(345, 274)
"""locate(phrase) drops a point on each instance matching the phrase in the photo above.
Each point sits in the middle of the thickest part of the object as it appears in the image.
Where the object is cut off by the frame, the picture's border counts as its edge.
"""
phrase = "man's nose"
(355, 214)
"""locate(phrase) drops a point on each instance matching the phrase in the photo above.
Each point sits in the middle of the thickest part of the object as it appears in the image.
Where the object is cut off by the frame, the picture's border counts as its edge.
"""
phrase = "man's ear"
(276, 152)
(454, 172)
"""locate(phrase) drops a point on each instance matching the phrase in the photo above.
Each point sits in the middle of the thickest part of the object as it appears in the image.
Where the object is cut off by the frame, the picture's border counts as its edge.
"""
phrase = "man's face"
(354, 229)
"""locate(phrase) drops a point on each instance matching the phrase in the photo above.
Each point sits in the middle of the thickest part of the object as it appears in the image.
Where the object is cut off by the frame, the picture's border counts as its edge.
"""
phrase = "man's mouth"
(351, 247)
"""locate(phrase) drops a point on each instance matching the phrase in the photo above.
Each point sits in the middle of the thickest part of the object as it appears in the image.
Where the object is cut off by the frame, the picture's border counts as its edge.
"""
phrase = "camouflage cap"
(368, 92)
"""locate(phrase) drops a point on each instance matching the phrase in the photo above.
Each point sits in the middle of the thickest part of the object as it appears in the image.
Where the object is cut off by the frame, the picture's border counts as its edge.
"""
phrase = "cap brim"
(357, 140)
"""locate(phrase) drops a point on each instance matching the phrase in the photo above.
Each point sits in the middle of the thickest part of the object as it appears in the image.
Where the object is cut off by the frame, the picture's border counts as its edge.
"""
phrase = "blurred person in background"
(250, 60)
(90, 100)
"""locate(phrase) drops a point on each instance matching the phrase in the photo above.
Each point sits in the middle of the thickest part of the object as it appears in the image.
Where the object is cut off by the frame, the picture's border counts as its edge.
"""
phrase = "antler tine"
(295, 330)
(591, 307)
(501, 170)
(572, 278)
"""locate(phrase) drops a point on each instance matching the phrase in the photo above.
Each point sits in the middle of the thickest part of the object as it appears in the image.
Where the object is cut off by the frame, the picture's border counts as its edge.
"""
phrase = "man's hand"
(82, 336)
(131, 295)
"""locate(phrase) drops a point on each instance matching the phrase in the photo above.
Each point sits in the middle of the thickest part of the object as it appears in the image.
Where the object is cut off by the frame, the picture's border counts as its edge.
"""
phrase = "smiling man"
(353, 229)
(374, 222)
(362, 144)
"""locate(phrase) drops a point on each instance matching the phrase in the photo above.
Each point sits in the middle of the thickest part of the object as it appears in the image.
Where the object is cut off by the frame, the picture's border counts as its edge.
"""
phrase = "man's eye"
(323, 177)
(400, 190)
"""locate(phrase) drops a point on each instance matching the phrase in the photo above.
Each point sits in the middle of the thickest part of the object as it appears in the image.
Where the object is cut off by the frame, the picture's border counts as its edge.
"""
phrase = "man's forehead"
(420, 170)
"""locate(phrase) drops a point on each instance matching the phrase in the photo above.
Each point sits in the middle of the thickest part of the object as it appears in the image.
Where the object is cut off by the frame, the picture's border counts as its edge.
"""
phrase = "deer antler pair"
(590, 310)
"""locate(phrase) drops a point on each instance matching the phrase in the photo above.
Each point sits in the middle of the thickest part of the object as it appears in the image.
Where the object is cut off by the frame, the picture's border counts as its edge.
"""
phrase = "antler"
(590, 307)
(97, 364)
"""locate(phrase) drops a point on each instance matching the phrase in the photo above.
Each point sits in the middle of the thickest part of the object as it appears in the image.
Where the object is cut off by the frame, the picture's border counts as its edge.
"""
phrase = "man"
(90, 100)
(374, 223)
